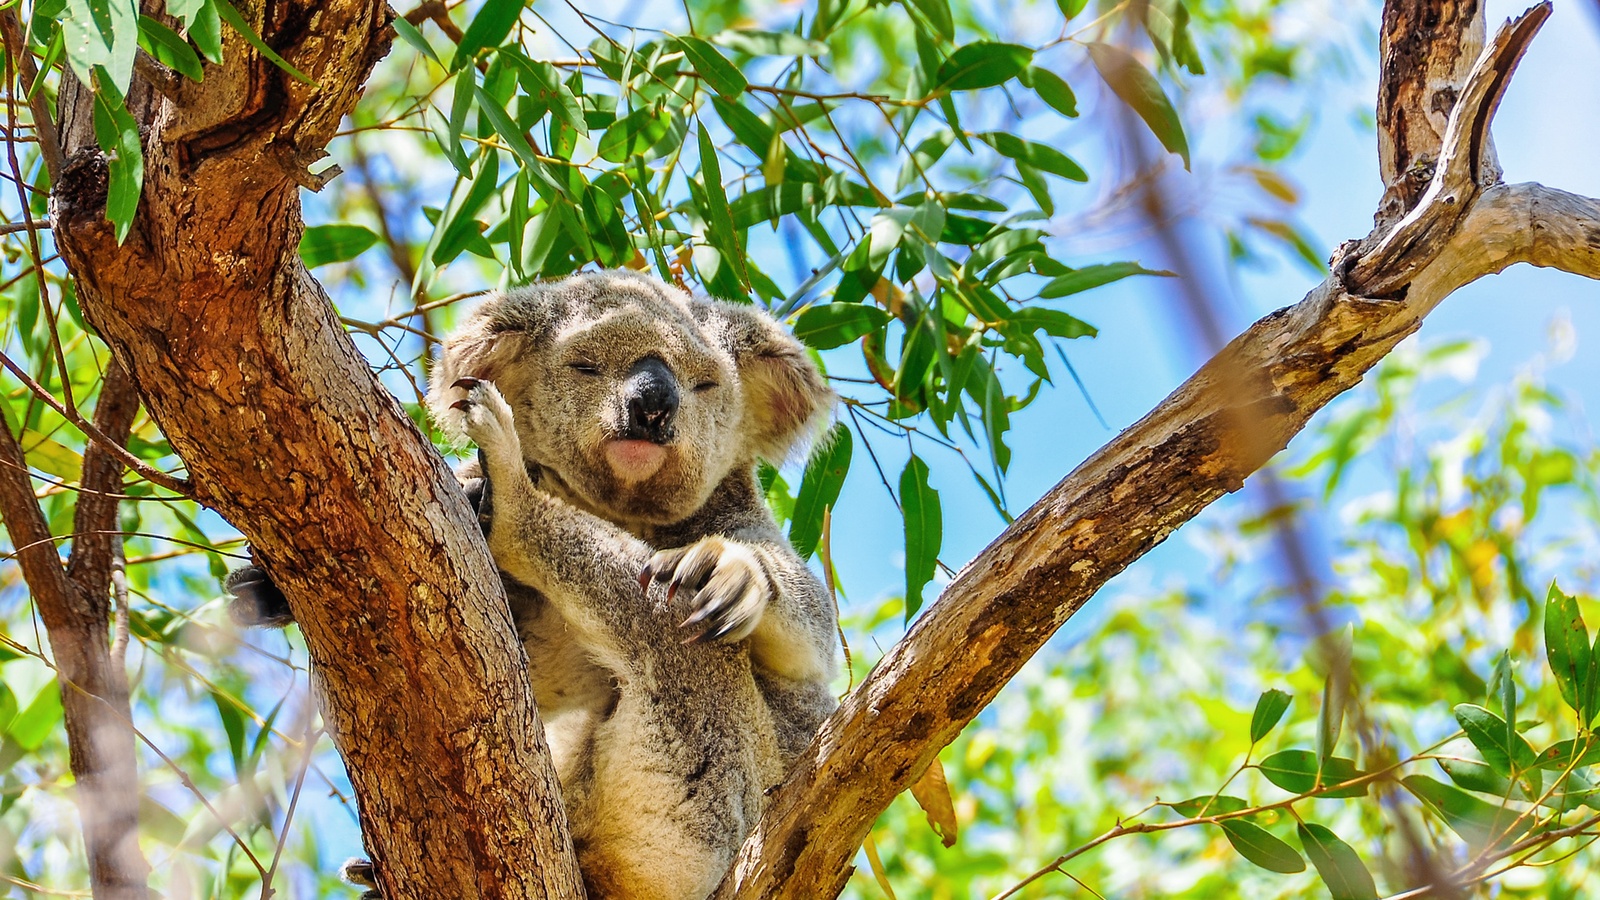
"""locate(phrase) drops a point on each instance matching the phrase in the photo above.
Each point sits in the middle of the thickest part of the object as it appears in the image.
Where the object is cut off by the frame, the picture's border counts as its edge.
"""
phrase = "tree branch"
(73, 603)
(240, 358)
(1126, 498)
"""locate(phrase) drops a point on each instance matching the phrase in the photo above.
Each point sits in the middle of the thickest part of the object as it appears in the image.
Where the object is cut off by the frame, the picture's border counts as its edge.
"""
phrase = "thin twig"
(49, 140)
(180, 486)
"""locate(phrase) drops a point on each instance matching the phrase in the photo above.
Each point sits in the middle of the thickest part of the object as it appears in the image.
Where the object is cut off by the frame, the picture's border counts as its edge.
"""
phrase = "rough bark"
(1193, 448)
(241, 359)
(74, 604)
(1426, 49)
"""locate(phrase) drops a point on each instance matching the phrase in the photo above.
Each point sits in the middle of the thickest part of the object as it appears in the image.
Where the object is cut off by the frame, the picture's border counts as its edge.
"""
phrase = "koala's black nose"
(652, 395)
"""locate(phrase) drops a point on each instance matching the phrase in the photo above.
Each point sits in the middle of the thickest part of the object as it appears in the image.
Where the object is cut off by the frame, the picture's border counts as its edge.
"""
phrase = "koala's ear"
(485, 346)
(787, 402)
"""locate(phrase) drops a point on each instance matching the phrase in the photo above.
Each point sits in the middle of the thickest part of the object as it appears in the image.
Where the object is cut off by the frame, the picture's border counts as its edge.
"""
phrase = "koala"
(680, 651)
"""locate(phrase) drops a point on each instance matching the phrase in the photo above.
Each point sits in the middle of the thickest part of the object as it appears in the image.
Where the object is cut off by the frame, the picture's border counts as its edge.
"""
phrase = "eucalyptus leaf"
(1132, 82)
(1257, 845)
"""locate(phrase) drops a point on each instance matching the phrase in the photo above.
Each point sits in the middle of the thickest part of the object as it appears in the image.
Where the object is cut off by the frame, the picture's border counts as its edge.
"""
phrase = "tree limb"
(285, 431)
(1132, 493)
(73, 603)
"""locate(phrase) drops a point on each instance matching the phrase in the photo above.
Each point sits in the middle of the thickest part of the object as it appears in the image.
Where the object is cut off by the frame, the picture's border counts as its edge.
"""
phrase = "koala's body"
(680, 650)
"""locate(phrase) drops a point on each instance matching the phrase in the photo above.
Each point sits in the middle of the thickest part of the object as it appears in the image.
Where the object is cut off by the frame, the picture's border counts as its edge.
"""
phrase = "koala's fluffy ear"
(486, 345)
(787, 402)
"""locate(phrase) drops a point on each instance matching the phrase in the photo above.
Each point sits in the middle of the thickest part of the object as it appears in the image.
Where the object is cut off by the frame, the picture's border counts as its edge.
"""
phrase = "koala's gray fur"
(669, 712)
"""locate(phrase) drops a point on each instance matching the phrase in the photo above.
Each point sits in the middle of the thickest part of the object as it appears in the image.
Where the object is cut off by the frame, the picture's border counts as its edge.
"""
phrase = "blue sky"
(1546, 131)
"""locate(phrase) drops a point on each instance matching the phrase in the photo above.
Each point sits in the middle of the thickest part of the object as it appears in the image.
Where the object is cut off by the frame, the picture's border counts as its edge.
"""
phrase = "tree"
(174, 200)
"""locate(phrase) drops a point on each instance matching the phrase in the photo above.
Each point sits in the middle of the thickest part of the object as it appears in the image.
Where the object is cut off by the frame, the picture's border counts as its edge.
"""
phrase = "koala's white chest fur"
(679, 650)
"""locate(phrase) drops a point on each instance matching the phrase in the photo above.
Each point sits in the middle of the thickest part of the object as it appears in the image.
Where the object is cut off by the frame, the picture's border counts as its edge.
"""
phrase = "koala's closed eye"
(584, 367)
(704, 386)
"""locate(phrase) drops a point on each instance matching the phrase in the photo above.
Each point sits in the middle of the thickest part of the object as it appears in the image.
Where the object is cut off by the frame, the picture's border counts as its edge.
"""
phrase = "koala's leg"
(584, 565)
(756, 589)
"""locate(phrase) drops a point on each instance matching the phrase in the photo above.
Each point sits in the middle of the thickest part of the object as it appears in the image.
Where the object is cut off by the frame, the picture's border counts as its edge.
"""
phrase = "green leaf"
(1465, 766)
(719, 218)
(233, 725)
(1296, 772)
(104, 35)
(231, 15)
(1269, 709)
(769, 43)
(924, 526)
(1291, 237)
(1140, 90)
(885, 233)
(33, 725)
(634, 133)
(8, 708)
(1566, 643)
(543, 84)
(1054, 91)
(323, 244)
(201, 23)
(1341, 869)
(982, 64)
(1502, 698)
(487, 29)
(1476, 821)
(1070, 8)
(1040, 156)
(830, 325)
(819, 489)
(1208, 805)
(1053, 322)
(709, 63)
(1503, 749)
(508, 131)
(1089, 277)
(457, 226)
(118, 135)
(1560, 755)
(169, 48)
(1259, 846)
(409, 33)
(937, 12)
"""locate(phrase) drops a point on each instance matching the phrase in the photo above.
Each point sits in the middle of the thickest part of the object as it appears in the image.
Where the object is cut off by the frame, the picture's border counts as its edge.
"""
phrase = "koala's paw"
(484, 416)
(727, 588)
(362, 873)
(255, 600)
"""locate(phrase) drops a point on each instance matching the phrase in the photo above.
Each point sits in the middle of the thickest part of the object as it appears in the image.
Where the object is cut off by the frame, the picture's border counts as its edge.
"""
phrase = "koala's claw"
(485, 417)
(725, 582)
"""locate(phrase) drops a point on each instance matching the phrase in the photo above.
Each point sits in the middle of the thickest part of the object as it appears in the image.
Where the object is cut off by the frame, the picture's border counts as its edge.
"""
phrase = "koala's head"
(636, 398)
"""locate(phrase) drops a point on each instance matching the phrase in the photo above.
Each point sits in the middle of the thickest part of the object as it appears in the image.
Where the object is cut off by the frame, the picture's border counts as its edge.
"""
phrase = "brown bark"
(241, 360)
(74, 605)
(285, 431)
(1165, 469)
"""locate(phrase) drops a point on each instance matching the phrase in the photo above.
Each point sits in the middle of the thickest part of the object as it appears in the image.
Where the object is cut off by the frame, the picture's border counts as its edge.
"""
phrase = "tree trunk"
(241, 359)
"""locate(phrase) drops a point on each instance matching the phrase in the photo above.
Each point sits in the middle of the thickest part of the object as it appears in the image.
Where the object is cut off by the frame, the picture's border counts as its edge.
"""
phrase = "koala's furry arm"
(750, 584)
(580, 562)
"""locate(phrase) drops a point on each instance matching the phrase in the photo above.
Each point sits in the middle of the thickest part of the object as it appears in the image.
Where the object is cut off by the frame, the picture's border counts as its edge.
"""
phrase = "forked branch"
(1221, 425)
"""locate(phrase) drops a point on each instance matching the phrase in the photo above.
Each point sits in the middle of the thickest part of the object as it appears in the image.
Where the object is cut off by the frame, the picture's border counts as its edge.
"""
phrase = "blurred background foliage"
(920, 189)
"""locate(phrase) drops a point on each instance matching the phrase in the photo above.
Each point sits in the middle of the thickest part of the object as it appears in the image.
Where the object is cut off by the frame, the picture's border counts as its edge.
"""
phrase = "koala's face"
(632, 409)
(635, 399)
